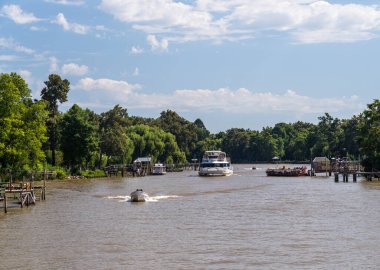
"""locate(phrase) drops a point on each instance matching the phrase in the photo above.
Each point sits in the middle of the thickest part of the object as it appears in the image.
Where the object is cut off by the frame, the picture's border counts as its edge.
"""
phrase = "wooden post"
(44, 191)
(5, 202)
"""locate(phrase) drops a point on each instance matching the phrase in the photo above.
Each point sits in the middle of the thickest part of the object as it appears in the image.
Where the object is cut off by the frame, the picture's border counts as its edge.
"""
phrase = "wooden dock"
(346, 175)
(23, 194)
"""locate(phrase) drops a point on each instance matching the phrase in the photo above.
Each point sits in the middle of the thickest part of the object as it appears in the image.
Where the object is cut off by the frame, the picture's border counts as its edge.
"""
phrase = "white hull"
(215, 172)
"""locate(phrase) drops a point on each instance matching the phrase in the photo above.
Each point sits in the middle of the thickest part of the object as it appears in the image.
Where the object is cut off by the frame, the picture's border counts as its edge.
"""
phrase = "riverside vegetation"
(35, 135)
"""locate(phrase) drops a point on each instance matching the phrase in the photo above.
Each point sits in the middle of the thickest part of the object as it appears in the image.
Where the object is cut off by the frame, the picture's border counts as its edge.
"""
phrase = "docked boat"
(158, 169)
(139, 196)
(215, 163)
(283, 171)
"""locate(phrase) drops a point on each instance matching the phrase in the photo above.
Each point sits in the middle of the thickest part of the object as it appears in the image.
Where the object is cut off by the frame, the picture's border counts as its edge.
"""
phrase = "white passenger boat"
(158, 169)
(139, 196)
(215, 163)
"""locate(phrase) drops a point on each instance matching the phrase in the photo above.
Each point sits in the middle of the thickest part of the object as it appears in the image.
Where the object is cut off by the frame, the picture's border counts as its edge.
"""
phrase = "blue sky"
(231, 63)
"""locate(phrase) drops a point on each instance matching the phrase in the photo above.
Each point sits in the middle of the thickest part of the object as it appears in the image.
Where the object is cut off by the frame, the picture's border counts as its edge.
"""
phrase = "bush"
(61, 174)
(93, 174)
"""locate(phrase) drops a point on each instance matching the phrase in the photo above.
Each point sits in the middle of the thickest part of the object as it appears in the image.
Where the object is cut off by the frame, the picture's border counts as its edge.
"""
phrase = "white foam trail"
(150, 198)
(120, 198)
(161, 197)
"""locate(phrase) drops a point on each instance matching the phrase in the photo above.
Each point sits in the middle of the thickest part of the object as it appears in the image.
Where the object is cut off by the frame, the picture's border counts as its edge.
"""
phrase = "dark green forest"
(35, 134)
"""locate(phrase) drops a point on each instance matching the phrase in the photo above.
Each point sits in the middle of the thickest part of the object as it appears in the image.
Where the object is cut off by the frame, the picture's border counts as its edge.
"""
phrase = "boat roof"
(143, 159)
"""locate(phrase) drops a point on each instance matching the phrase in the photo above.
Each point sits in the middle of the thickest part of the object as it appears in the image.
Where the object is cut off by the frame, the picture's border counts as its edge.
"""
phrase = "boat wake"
(127, 198)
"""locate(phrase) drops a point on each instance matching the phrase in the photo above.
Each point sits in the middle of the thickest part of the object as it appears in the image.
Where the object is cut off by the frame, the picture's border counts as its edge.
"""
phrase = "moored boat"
(215, 163)
(139, 196)
(283, 171)
(158, 169)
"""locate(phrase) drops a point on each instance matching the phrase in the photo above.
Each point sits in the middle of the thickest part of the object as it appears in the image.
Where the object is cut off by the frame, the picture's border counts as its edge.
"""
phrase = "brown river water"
(244, 221)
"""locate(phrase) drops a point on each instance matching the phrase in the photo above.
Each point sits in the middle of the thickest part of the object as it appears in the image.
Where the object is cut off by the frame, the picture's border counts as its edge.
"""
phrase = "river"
(244, 221)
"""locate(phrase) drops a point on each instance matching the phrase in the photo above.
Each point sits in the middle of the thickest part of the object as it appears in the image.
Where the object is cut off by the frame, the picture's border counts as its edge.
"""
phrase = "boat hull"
(290, 172)
(213, 172)
(139, 196)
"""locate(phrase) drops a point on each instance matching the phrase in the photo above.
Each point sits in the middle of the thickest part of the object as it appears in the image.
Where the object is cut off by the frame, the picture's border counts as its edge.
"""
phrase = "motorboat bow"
(215, 163)
(139, 196)
(158, 169)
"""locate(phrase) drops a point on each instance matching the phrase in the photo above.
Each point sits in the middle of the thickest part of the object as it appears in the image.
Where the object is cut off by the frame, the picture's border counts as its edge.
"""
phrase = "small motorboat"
(139, 196)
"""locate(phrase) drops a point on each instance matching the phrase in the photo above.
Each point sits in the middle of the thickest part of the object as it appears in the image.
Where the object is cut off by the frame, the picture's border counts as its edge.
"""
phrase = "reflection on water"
(245, 221)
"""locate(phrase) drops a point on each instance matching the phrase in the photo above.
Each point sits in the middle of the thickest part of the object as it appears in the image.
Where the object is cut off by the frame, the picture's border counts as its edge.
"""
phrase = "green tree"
(369, 136)
(54, 92)
(113, 139)
(264, 145)
(22, 125)
(350, 136)
(184, 131)
(156, 143)
(236, 144)
(78, 137)
(330, 135)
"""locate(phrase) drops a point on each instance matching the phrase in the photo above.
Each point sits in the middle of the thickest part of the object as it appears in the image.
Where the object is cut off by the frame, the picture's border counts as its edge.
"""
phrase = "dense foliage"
(35, 132)
(22, 125)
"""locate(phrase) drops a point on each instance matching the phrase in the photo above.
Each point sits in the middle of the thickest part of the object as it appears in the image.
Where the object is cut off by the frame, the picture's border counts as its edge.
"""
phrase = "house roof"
(143, 159)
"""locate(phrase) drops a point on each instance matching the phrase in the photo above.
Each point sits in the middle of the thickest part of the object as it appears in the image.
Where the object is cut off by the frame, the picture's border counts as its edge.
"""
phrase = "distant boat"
(215, 163)
(283, 171)
(139, 196)
(158, 169)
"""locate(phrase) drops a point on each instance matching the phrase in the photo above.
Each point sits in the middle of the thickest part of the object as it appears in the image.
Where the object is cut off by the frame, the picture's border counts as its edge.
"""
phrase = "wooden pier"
(23, 194)
(368, 175)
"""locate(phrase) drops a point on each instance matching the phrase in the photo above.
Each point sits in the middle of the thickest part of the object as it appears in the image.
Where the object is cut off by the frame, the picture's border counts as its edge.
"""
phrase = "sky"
(231, 63)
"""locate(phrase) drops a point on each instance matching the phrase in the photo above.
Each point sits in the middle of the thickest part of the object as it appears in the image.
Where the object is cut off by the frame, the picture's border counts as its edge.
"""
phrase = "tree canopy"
(369, 136)
(22, 125)
(54, 92)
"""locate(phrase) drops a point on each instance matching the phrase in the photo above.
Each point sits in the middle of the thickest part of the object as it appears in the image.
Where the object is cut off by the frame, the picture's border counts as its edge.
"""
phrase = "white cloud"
(245, 101)
(67, 69)
(239, 101)
(66, 2)
(35, 28)
(306, 21)
(74, 69)
(53, 65)
(157, 45)
(136, 50)
(16, 14)
(136, 72)
(26, 75)
(107, 91)
(14, 46)
(9, 58)
(74, 27)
